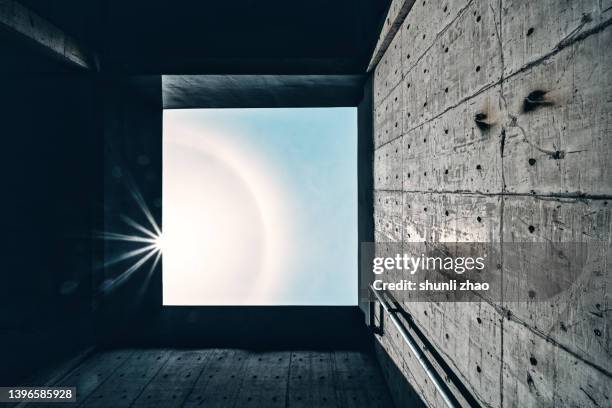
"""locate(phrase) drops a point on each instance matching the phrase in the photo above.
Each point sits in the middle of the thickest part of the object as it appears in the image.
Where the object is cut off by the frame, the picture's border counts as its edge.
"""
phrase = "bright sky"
(260, 207)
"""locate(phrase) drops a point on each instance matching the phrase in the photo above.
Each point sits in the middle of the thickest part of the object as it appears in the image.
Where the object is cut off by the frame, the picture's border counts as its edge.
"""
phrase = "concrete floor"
(228, 378)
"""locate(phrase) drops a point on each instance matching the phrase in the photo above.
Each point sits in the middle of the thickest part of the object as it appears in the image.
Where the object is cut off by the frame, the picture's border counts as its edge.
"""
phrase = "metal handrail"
(448, 398)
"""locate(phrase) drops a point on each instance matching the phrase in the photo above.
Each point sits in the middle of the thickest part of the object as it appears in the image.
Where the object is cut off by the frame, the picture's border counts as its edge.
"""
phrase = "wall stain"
(536, 99)
(481, 121)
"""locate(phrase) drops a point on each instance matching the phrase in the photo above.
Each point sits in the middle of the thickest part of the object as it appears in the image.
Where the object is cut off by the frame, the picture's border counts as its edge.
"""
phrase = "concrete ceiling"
(212, 54)
(260, 91)
(19, 59)
(320, 37)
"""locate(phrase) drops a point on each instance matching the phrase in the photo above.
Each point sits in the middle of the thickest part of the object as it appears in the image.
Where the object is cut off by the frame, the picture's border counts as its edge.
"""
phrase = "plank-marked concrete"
(358, 383)
(126, 383)
(311, 380)
(173, 383)
(576, 320)
(37, 31)
(93, 372)
(398, 9)
(561, 142)
(226, 378)
(220, 381)
(260, 91)
(504, 126)
(264, 380)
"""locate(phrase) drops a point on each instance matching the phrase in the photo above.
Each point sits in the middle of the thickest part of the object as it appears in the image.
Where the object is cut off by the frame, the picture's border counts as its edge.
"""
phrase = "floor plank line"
(174, 381)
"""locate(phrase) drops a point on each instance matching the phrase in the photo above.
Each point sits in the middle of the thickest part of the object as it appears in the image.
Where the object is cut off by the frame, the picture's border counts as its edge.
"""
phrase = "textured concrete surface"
(222, 37)
(34, 29)
(492, 124)
(261, 91)
(365, 185)
(228, 378)
(398, 9)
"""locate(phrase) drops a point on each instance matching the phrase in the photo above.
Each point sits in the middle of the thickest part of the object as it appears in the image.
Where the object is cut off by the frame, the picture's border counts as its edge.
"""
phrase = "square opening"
(260, 206)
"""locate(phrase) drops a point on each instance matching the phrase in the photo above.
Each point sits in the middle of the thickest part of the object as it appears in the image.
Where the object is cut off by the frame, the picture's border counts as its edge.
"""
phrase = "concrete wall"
(71, 141)
(132, 135)
(365, 186)
(51, 181)
(492, 123)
